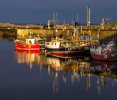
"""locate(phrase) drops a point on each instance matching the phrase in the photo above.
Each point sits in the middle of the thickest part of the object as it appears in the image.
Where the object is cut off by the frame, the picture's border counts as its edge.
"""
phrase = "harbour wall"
(47, 33)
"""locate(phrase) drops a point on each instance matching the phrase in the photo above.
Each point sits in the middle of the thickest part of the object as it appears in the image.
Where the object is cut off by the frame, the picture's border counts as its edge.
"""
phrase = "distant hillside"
(114, 23)
(10, 25)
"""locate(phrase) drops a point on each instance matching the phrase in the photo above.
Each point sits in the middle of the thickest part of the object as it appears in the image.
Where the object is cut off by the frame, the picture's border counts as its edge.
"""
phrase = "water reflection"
(61, 68)
(74, 69)
(26, 57)
(103, 71)
(107, 69)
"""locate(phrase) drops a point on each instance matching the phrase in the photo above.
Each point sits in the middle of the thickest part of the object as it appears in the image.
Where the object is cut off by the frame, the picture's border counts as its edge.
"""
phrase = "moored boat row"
(60, 47)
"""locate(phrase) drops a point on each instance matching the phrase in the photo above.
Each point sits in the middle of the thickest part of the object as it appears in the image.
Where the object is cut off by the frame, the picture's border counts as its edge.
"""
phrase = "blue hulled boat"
(60, 47)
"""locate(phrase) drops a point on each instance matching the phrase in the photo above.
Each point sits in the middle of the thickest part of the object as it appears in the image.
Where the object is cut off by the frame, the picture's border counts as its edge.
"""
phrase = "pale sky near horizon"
(39, 11)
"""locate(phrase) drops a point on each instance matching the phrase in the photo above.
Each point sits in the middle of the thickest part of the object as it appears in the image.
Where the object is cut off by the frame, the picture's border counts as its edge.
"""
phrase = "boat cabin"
(52, 44)
(30, 41)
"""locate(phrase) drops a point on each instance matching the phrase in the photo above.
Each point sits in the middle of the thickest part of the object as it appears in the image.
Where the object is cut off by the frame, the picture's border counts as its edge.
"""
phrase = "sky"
(39, 11)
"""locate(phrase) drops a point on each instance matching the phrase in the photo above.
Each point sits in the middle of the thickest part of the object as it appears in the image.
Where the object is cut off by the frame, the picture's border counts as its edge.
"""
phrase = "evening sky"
(39, 11)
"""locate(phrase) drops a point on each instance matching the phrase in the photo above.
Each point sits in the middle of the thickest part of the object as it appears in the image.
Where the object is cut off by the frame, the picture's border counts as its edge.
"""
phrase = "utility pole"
(88, 16)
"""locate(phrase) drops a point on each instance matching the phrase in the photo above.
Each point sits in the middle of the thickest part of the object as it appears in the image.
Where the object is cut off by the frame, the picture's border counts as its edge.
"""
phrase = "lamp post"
(98, 35)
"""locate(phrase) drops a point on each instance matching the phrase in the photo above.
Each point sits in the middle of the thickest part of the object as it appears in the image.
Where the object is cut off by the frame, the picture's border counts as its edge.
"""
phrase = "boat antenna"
(77, 18)
(64, 21)
(56, 17)
(53, 16)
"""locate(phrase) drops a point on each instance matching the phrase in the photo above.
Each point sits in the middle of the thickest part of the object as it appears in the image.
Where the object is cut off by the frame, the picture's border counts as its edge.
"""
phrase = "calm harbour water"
(27, 76)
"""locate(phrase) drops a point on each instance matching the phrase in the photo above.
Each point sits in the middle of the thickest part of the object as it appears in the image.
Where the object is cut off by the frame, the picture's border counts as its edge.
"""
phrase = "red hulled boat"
(27, 45)
(104, 52)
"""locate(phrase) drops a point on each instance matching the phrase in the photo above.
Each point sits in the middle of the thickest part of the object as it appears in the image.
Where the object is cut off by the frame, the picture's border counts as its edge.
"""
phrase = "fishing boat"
(30, 44)
(104, 52)
(62, 47)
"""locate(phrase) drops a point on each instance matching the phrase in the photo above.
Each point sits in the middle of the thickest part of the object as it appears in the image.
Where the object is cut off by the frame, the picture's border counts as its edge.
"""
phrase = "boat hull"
(27, 47)
(103, 57)
(68, 51)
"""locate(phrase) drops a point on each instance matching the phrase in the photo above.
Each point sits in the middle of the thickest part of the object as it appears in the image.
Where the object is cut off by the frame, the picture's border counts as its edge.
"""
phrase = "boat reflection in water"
(62, 68)
(29, 58)
(104, 68)
(103, 71)
(74, 69)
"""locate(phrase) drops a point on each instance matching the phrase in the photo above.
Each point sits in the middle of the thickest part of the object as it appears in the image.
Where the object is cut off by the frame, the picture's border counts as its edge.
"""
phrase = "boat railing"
(19, 41)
